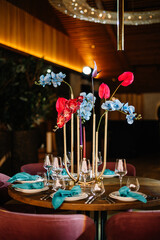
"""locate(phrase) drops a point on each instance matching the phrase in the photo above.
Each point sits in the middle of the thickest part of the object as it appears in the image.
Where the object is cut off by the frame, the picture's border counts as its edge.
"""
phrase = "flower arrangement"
(84, 106)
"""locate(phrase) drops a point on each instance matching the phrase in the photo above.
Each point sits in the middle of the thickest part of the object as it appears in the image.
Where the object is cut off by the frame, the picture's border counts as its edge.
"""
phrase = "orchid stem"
(69, 87)
(115, 91)
(101, 120)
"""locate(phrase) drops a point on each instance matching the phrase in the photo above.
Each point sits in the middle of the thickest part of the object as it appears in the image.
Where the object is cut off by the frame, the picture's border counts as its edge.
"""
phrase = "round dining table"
(150, 187)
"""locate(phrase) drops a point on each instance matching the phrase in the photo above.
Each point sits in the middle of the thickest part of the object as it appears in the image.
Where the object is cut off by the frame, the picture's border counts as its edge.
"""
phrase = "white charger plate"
(75, 197)
(31, 181)
(116, 195)
(31, 190)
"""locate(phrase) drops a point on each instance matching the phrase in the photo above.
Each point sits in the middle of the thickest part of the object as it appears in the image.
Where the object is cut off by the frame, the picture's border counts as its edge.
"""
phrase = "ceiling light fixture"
(109, 17)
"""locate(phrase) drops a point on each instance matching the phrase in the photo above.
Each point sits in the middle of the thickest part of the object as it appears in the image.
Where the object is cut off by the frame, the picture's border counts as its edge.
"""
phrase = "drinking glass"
(68, 159)
(97, 188)
(48, 164)
(121, 169)
(99, 160)
(57, 166)
(133, 184)
(85, 169)
(58, 183)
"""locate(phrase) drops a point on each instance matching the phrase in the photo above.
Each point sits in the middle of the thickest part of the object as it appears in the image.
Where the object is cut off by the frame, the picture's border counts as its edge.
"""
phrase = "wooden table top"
(148, 186)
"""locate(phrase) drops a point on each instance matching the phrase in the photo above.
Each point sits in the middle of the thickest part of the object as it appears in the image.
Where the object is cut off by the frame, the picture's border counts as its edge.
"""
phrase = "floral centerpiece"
(83, 106)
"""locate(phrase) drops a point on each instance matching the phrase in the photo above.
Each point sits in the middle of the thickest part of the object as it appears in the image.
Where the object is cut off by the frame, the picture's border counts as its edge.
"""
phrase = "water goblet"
(68, 159)
(133, 184)
(97, 188)
(57, 166)
(48, 164)
(58, 183)
(121, 169)
(85, 169)
(99, 160)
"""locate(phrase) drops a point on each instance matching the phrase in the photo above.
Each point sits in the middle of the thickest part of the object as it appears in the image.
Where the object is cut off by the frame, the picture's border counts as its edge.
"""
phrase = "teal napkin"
(108, 172)
(23, 176)
(37, 185)
(60, 195)
(125, 192)
(64, 172)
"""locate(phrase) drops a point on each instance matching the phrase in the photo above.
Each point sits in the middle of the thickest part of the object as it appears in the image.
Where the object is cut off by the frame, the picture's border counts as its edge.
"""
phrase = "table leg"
(100, 219)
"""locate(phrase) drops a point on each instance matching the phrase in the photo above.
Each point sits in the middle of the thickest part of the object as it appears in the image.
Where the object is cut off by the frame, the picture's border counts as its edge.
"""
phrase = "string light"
(95, 15)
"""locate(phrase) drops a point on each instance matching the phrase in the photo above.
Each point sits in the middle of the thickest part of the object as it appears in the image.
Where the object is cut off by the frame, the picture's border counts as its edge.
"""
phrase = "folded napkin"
(64, 172)
(23, 176)
(37, 185)
(108, 172)
(125, 192)
(60, 195)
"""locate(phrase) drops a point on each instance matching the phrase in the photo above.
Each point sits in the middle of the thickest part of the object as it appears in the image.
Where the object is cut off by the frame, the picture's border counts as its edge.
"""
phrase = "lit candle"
(80, 123)
(84, 143)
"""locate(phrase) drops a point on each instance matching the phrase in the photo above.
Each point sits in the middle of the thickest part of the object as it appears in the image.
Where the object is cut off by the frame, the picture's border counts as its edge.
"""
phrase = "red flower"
(127, 78)
(104, 91)
(67, 114)
(60, 120)
(65, 108)
(60, 104)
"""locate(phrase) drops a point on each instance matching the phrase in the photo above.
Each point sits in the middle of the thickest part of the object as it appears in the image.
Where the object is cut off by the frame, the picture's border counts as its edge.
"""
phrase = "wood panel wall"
(21, 31)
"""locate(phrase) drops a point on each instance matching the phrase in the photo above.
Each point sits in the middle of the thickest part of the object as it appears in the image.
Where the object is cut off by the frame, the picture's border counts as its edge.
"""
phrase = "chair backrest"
(131, 170)
(134, 225)
(4, 197)
(33, 168)
(17, 226)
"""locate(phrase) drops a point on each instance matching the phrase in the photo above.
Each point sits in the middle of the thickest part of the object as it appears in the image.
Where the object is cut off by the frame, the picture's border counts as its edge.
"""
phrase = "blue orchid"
(126, 108)
(52, 78)
(130, 118)
(86, 106)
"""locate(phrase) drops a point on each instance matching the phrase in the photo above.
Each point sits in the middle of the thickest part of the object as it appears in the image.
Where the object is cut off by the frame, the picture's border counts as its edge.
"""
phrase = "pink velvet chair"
(33, 168)
(17, 226)
(143, 225)
(4, 197)
(131, 170)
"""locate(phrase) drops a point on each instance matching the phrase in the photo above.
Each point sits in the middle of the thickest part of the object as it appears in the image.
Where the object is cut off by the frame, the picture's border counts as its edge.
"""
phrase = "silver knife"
(89, 199)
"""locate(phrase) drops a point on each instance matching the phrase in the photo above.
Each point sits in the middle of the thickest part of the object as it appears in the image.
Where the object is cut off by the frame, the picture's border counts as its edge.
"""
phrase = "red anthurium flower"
(60, 104)
(127, 78)
(94, 73)
(104, 91)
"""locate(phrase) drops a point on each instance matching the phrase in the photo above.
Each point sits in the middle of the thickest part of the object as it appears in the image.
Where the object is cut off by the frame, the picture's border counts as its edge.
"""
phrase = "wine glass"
(48, 164)
(58, 183)
(85, 169)
(57, 166)
(121, 169)
(68, 159)
(97, 188)
(133, 184)
(99, 160)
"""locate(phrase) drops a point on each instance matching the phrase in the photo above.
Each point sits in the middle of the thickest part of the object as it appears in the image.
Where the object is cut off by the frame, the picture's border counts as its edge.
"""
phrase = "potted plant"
(24, 106)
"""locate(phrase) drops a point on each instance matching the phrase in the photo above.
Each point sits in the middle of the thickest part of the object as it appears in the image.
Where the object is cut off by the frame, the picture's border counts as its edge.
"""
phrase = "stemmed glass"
(68, 160)
(85, 169)
(57, 166)
(48, 164)
(99, 160)
(133, 184)
(121, 169)
(97, 188)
